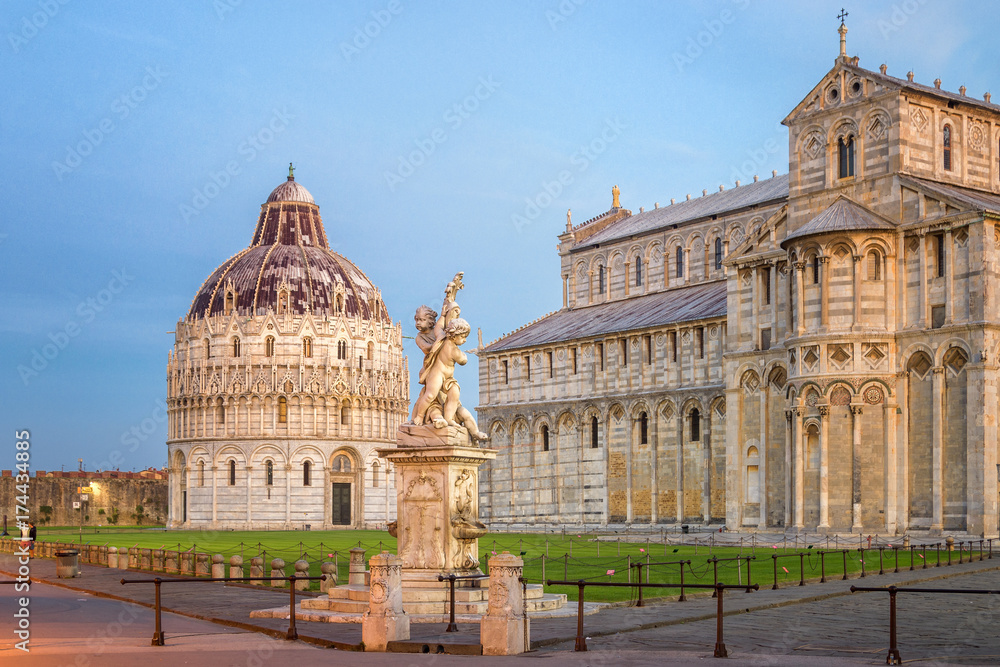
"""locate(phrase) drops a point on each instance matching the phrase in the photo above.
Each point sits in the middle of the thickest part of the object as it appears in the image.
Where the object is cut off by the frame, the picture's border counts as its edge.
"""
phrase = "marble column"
(249, 496)
(922, 288)
(215, 494)
(856, 411)
(937, 448)
(789, 415)
(706, 433)
(824, 468)
(858, 259)
(799, 469)
(824, 292)
(800, 305)
(679, 478)
(949, 265)
(654, 444)
(891, 467)
(288, 495)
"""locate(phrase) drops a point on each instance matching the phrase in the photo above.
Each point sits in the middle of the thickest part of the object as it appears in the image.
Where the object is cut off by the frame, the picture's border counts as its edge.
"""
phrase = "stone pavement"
(812, 620)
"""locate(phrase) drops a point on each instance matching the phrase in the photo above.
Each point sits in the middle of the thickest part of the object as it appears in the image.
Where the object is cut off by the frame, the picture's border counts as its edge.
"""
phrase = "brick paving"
(812, 620)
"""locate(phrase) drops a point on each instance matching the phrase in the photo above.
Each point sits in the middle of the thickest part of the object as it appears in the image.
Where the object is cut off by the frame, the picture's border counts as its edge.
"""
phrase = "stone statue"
(440, 338)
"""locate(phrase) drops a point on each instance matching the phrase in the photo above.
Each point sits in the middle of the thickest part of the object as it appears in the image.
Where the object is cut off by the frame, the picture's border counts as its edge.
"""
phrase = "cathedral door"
(341, 504)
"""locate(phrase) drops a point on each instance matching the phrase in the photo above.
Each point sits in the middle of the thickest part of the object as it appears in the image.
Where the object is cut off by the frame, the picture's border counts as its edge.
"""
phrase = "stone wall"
(111, 495)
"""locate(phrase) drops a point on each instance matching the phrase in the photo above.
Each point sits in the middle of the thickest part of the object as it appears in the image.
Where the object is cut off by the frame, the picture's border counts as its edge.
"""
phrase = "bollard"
(158, 560)
(218, 567)
(146, 559)
(330, 570)
(202, 568)
(720, 645)
(187, 563)
(236, 567)
(113, 557)
(257, 569)
(170, 559)
(302, 570)
(277, 570)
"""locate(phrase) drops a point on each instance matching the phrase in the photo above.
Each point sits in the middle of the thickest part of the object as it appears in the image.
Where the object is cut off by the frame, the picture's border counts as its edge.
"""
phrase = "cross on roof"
(842, 15)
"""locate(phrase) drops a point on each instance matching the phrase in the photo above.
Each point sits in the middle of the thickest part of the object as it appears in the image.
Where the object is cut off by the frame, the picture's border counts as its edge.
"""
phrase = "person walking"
(32, 536)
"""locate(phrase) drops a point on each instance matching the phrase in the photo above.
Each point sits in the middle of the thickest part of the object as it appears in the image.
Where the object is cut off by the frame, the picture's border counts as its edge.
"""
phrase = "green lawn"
(571, 557)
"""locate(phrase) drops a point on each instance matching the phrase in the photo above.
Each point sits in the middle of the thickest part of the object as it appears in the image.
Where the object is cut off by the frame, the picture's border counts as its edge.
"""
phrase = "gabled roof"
(843, 215)
(762, 192)
(683, 304)
(962, 197)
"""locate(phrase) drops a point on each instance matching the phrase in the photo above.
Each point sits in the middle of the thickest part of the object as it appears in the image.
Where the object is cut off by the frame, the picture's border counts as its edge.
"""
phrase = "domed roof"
(289, 267)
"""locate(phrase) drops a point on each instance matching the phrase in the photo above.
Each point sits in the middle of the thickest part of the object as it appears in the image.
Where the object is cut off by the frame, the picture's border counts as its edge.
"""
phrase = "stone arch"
(843, 127)
(946, 345)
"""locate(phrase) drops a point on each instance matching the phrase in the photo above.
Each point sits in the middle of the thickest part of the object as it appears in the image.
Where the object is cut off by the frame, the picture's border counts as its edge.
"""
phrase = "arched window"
(638, 271)
(593, 433)
(815, 269)
(341, 349)
(232, 473)
(307, 347)
(718, 253)
(345, 415)
(201, 473)
(208, 349)
(643, 428)
(874, 265)
(600, 279)
(221, 412)
(282, 302)
(307, 473)
(236, 346)
(679, 262)
(269, 346)
(845, 150)
(282, 410)
(340, 303)
(545, 438)
(371, 351)
(946, 139)
(695, 425)
(269, 473)
(375, 469)
(230, 302)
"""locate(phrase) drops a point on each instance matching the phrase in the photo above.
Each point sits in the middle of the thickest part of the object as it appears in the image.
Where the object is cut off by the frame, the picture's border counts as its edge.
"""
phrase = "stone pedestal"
(277, 570)
(236, 567)
(113, 557)
(330, 570)
(505, 628)
(356, 571)
(218, 567)
(437, 501)
(385, 620)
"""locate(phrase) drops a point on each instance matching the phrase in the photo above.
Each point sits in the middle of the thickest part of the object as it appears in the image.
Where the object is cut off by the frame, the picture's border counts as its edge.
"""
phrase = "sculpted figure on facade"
(440, 339)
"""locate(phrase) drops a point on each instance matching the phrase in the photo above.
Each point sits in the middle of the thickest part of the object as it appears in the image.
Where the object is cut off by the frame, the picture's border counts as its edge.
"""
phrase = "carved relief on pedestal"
(465, 525)
(423, 516)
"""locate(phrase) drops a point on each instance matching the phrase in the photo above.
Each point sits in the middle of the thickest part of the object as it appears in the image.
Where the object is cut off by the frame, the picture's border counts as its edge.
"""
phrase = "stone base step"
(414, 603)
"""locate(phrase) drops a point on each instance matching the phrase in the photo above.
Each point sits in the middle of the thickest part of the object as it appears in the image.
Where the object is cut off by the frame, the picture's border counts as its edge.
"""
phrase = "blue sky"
(430, 134)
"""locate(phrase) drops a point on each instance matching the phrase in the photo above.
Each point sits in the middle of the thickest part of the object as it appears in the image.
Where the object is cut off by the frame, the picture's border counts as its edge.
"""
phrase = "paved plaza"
(94, 618)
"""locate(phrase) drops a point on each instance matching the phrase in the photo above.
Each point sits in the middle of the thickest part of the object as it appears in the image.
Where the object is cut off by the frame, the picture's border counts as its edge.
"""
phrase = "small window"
(506, 378)
(600, 355)
(221, 412)
(282, 302)
(340, 303)
(765, 275)
(673, 346)
(946, 138)
(815, 263)
(527, 367)
(371, 351)
(572, 354)
(201, 473)
(701, 342)
(545, 438)
(345, 416)
(307, 347)
(718, 253)
(638, 271)
(307, 473)
(845, 148)
(594, 444)
(679, 262)
(939, 247)
(282, 410)
(765, 339)
(643, 429)
(236, 347)
(623, 348)
(600, 280)
(208, 349)
(269, 346)
(342, 349)
(552, 368)
(230, 302)
(647, 342)
(232, 473)
(269, 473)
(874, 265)
(375, 467)
(937, 317)
(695, 425)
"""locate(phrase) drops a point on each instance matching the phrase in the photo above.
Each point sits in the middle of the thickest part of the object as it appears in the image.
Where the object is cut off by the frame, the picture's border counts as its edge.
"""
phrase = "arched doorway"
(344, 486)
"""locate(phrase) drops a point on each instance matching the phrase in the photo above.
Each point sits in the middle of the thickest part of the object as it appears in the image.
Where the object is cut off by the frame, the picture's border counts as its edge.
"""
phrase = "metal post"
(937, 547)
(822, 567)
(862, 550)
(912, 564)
(774, 557)
(961, 552)
(565, 567)
(452, 626)
(714, 560)
(949, 556)
(845, 565)
(980, 551)
(682, 598)
(880, 570)
(923, 552)
(292, 632)
(896, 550)
(158, 630)
(802, 569)
(749, 558)
(893, 657)
(581, 641)
(720, 645)
(639, 582)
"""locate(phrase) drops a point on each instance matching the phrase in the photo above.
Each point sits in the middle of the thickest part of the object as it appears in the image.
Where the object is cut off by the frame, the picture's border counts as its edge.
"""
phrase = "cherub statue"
(440, 338)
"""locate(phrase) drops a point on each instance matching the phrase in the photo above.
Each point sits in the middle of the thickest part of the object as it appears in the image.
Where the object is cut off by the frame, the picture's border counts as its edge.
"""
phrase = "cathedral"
(809, 352)
(287, 373)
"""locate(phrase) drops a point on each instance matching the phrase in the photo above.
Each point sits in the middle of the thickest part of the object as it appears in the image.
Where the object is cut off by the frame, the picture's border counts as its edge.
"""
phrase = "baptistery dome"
(287, 373)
